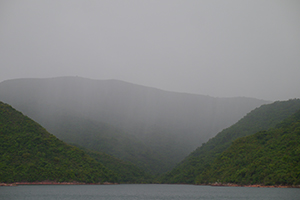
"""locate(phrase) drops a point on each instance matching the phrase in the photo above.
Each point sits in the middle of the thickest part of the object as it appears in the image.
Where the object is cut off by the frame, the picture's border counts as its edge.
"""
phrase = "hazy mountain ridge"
(170, 124)
(101, 137)
(259, 119)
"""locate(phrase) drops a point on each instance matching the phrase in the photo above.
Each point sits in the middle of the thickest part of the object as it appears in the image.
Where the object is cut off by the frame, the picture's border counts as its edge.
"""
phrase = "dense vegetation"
(260, 119)
(29, 153)
(268, 157)
(126, 171)
(152, 128)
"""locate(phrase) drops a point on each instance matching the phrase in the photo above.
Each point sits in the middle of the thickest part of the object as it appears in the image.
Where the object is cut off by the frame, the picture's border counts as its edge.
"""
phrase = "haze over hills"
(29, 153)
(158, 127)
(259, 119)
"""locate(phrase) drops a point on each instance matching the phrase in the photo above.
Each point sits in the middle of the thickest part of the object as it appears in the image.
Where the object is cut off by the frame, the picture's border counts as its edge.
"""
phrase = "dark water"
(144, 192)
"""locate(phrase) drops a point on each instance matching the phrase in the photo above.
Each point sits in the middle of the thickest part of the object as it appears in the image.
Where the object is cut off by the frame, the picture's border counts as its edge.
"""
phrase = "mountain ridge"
(135, 84)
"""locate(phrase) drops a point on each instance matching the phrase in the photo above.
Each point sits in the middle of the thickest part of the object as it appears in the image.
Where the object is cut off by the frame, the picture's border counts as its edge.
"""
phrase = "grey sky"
(217, 48)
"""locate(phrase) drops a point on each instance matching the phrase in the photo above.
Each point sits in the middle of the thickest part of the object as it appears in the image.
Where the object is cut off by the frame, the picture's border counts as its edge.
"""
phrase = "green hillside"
(29, 153)
(126, 171)
(268, 157)
(259, 119)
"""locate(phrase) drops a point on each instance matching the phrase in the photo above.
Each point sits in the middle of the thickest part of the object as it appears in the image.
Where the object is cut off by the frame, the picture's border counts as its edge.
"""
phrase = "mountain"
(262, 118)
(268, 158)
(152, 128)
(29, 153)
(102, 137)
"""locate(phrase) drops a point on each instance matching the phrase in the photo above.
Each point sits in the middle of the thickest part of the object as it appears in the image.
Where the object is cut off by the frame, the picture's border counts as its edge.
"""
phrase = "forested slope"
(268, 158)
(259, 119)
(29, 153)
(126, 171)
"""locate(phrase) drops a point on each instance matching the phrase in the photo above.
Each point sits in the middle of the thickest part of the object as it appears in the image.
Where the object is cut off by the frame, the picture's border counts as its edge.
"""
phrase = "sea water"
(144, 192)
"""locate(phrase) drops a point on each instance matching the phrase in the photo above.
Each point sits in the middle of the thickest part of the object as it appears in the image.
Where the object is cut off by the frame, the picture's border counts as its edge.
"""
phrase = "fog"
(216, 48)
(153, 128)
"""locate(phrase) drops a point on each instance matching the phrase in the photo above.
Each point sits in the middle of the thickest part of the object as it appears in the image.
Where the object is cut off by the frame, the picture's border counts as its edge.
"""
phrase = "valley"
(73, 127)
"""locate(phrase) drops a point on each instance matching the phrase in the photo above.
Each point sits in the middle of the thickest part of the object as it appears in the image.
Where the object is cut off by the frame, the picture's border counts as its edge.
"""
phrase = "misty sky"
(217, 48)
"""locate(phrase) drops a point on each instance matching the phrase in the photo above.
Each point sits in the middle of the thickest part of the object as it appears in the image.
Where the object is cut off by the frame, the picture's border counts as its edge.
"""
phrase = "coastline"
(109, 183)
(54, 183)
(255, 185)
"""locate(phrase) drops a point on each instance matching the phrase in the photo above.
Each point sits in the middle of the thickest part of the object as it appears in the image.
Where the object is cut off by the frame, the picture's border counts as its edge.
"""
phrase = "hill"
(29, 153)
(152, 128)
(102, 137)
(268, 158)
(262, 118)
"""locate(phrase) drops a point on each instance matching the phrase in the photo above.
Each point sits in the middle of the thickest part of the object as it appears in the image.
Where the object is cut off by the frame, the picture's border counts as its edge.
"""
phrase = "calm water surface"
(144, 192)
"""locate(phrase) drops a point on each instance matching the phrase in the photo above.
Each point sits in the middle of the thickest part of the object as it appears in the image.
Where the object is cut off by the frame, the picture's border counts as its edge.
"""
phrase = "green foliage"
(268, 157)
(29, 153)
(125, 171)
(260, 119)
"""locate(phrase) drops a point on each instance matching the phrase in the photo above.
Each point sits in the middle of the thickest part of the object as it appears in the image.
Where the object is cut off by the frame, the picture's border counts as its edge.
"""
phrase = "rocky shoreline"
(54, 183)
(255, 185)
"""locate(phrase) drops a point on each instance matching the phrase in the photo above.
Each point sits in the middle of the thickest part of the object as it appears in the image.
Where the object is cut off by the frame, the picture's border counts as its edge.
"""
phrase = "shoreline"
(255, 185)
(54, 183)
(109, 183)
